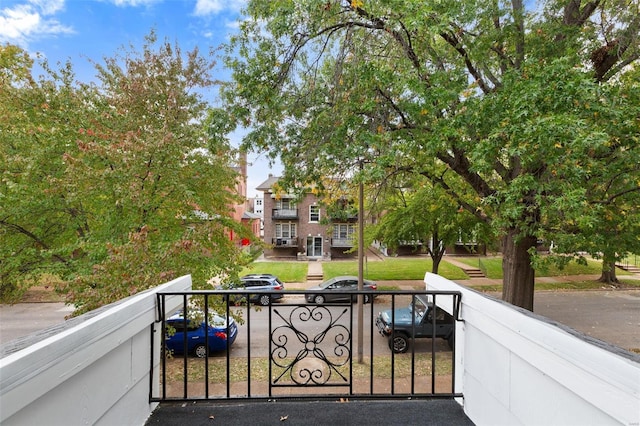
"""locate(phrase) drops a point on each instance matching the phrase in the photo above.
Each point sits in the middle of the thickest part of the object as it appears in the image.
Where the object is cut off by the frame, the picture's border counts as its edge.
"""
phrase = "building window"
(285, 204)
(285, 230)
(314, 213)
(343, 231)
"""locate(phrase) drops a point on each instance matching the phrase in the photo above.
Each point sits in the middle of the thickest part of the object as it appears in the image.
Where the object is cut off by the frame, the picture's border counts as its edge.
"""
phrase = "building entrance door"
(314, 246)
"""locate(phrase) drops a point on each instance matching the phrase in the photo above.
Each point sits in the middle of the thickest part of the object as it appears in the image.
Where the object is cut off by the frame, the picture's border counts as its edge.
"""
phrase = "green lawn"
(493, 267)
(392, 269)
(292, 272)
(378, 270)
(409, 269)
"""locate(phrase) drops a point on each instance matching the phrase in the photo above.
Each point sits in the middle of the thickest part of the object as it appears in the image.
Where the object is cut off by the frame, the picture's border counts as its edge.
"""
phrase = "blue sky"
(83, 30)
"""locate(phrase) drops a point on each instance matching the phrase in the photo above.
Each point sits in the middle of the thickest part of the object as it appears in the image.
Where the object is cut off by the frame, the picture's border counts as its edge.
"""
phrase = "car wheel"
(264, 299)
(200, 351)
(367, 298)
(319, 299)
(399, 343)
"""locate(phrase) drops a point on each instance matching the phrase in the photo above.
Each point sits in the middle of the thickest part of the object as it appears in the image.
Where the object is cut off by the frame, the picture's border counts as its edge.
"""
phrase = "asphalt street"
(22, 319)
(611, 316)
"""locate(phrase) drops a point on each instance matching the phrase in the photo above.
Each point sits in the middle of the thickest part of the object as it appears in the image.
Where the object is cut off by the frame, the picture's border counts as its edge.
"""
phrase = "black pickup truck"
(404, 327)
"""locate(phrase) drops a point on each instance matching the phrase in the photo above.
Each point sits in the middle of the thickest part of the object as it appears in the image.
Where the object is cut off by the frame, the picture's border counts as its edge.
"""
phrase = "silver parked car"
(333, 290)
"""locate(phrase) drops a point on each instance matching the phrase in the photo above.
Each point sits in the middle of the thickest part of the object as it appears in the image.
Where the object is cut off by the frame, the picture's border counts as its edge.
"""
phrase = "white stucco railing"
(517, 368)
(96, 372)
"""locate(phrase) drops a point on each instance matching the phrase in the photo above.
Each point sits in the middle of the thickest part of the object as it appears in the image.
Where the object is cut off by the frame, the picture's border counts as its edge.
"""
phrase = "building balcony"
(412, 243)
(343, 217)
(294, 361)
(343, 242)
(284, 214)
(279, 242)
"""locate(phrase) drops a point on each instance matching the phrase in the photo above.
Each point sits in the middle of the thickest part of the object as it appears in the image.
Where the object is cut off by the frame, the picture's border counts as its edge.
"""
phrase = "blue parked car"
(218, 338)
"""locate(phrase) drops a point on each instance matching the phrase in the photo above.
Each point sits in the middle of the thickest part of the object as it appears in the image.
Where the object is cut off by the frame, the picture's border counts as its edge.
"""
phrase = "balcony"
(343, 216)
(343, 211)
(343, 242)
(411, 243)
(284, 214)
(106, 368)
(284, 242)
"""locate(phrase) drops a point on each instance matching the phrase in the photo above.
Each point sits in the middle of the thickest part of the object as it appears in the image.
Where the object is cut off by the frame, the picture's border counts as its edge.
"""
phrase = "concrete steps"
(473, 272)
(315, 277)
(633, 269)
(470, 271)
(630, 268)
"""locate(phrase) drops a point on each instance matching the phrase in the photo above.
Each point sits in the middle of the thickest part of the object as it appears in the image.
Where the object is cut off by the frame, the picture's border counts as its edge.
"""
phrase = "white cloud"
(48, 7)
(31, 20)
(233, 25)
(213, 7)
(133, 3)
(208, 7)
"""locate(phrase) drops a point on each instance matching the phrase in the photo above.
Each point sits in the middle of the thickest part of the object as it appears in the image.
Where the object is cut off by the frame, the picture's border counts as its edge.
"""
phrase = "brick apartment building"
(301, 229)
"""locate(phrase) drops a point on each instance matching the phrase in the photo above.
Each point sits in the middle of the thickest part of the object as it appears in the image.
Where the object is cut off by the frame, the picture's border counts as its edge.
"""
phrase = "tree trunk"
(518, 274)
(608, 274)
(436, 252)
(435, 264)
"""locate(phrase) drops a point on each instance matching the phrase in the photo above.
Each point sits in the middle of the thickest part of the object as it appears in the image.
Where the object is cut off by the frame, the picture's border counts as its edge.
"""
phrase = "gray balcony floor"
(305, 412)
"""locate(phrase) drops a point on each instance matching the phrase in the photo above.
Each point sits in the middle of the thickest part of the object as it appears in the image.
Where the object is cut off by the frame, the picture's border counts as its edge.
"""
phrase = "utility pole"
(360, 267)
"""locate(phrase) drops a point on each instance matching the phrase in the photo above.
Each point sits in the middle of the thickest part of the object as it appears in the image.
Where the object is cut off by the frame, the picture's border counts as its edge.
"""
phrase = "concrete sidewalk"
(314, 271)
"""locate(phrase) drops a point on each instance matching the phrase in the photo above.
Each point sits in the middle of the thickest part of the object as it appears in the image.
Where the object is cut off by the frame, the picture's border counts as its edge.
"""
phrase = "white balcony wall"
(94, 373)
(518, 368)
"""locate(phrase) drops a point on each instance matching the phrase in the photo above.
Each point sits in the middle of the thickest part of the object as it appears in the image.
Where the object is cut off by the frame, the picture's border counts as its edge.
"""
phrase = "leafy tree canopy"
(114, 186)
(421, 212)
(526, 106)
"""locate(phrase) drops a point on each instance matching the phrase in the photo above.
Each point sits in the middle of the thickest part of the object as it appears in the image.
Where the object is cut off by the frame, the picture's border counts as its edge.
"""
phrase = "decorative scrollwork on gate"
(310, 348)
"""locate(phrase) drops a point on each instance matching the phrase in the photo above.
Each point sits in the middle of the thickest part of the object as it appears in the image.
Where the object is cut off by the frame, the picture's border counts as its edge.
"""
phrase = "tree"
(513, 101)
(120, 185)
(607, 227)
(606, 224)
(420, 211)
(36, 218)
